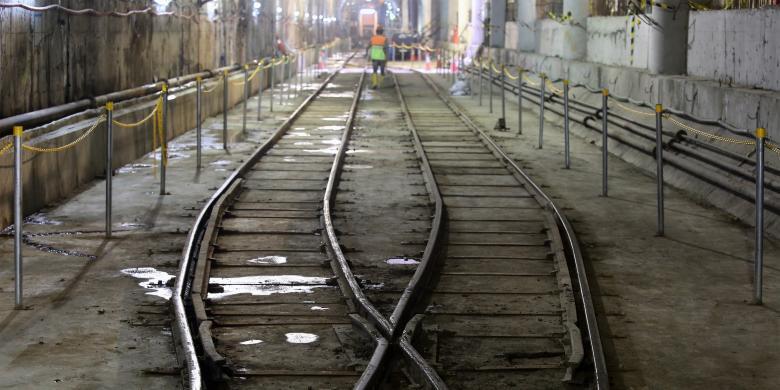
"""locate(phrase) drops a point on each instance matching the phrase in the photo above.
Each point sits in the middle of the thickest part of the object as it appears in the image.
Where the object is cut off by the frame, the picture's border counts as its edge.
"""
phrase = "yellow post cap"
(165, 87)
(659, 108)
(761, 132)
(110, 106)
(565, 82)
(18, 130)
(246, 66)
(198, 79)
(605, 92)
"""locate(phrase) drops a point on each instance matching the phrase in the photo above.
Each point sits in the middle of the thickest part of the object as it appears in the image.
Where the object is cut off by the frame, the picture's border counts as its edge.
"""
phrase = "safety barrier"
(159, 118)
(547, 91)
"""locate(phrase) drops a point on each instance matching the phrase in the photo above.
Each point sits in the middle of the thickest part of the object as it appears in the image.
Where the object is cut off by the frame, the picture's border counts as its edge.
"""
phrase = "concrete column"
(405, 16)
(526, 25)
(497, 23)
(575, 37)
(427, 23)
(669, 41)
(477, 30)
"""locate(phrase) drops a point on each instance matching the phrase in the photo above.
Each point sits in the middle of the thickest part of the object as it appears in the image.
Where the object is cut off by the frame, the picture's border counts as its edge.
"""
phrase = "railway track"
(377, 240)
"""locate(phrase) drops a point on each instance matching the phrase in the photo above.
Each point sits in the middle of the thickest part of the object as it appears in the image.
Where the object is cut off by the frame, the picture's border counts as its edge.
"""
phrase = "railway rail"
(396, 247)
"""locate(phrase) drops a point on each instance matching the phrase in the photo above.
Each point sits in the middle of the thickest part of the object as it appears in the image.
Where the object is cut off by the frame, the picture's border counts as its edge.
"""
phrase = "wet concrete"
(675, 311)
(96, 310)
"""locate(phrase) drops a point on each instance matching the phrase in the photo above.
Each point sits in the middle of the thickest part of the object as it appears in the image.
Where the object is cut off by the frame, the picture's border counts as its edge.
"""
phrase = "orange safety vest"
(378, 47)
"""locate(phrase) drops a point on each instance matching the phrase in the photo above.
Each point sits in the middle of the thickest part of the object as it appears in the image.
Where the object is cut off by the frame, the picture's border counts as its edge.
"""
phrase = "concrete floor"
(675, 311)
(88, 322)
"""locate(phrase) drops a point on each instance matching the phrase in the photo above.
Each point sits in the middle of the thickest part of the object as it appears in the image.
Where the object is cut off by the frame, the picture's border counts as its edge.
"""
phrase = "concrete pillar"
(574, 33)
(669, 41)
(405, 16)
(427, 23)
(526, 25)
(477, 30)
(497, 23)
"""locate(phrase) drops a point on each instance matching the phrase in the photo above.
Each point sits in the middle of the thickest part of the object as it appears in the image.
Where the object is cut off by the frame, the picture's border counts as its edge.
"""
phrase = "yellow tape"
(633, 111)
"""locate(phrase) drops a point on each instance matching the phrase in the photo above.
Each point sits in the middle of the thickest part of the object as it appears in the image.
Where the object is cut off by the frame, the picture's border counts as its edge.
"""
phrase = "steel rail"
(423, 272)
(328, 200)
(601, 377)
(183, 331)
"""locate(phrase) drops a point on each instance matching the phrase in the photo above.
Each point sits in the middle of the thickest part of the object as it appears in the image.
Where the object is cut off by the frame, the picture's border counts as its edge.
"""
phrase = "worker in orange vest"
(377, 52)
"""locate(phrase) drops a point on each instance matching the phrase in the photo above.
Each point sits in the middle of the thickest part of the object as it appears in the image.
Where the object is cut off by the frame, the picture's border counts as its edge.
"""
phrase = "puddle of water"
(350, 95)
(154, 280)
(220, 170)
(359, 151)
(221, 163)
(40, 219)
(331, 127)
(267, 285)
(401, 261)
(133, 225)
(331, 142)
(251, 342)
(268, 260)
(335, 119)
(133, 168)
(301, 338)
(302, 143)
(299, 134)
(330, 150)
(319, 308)
(358, 166)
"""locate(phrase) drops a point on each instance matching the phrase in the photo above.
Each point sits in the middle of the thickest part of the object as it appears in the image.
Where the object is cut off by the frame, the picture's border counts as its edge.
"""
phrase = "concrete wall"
(52, 177)
(608, 42)
(736, 47)
(56, 58)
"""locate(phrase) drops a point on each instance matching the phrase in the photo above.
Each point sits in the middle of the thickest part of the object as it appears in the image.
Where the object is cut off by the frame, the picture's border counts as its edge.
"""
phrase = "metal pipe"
(224, 110)
(246, 98)
(481, 88)
(198, 121)
(18, 210)
(659, 158)
(759, 254)
(604, 142)
(490, 82)
(273, 81)
(260, 94)
(503, 96)
(542, 87)
(519, 100)
(109, 163)
(163, 139)
(566, 143)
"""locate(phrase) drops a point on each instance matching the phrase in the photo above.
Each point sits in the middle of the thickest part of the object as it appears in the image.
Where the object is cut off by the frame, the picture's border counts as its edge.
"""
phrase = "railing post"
(246, 98)
(198, 121)
(260, 93)
(18, 216)
(481, 83)
(604, 143)
(109, 163)
(490, 86)
(659, 159)
(503, 93)
(164, 139)
(519, 100)
(273, 80)
(542, 86)
(566, 144)
(290, 94)
(759, 255)
(225, 109)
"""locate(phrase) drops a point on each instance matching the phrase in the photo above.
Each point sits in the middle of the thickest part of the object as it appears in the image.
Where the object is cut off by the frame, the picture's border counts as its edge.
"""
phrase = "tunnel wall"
(52, 177)
(56, 58)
